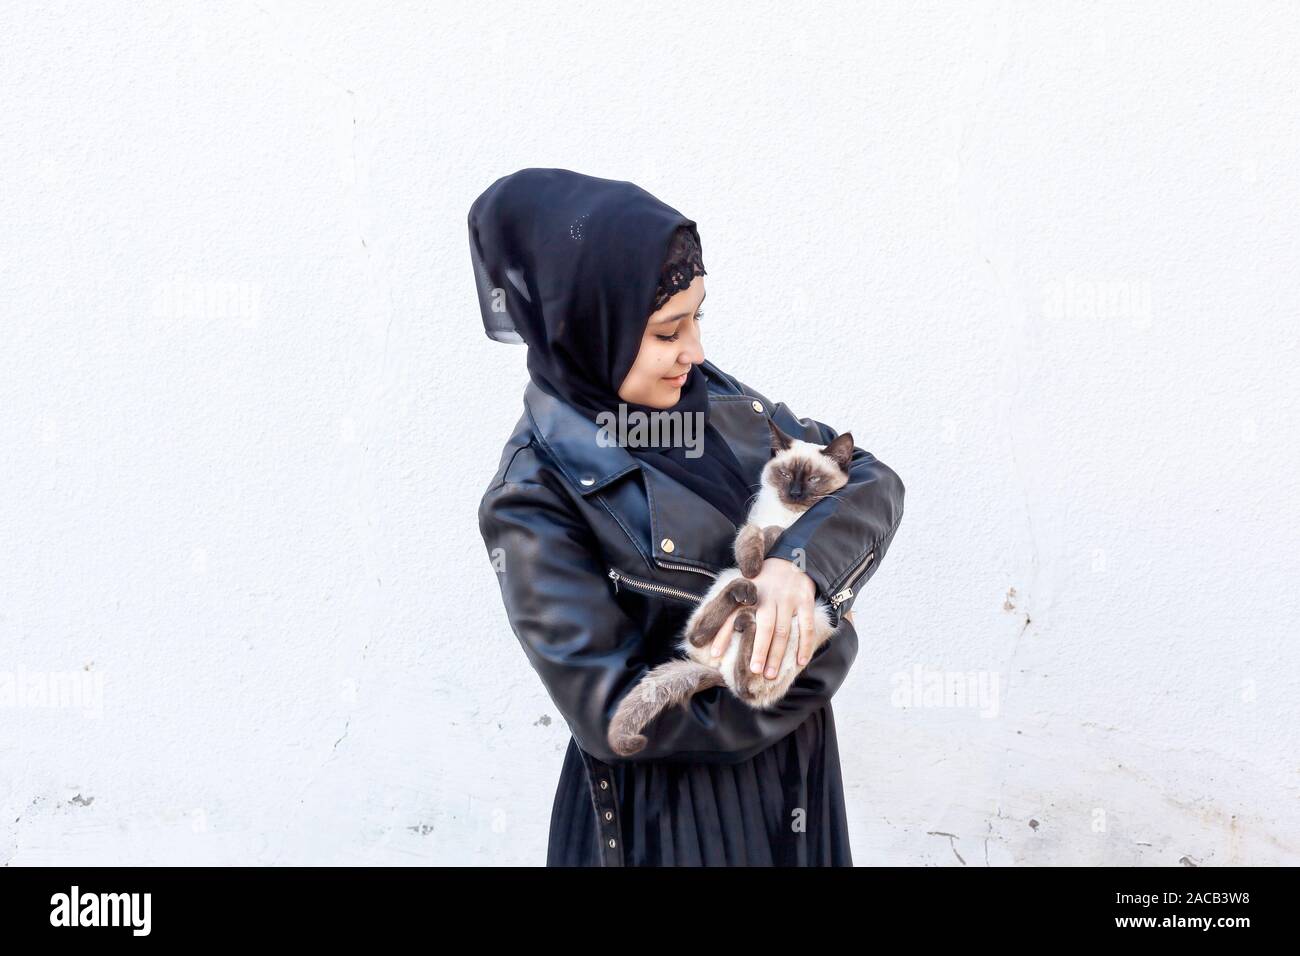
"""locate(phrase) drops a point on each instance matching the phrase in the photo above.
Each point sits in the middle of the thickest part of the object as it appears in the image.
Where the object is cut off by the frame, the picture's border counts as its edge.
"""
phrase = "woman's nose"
(693, 350)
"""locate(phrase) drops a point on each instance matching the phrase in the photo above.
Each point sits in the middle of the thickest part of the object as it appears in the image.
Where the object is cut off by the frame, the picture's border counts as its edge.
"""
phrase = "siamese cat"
(797, 476)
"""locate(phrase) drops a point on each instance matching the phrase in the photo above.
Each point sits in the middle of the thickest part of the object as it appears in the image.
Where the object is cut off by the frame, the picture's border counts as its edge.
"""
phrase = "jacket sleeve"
(589, 651)
(840, 541)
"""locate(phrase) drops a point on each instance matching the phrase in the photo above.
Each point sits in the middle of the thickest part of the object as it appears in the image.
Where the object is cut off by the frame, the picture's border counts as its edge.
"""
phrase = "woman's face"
(669, 347)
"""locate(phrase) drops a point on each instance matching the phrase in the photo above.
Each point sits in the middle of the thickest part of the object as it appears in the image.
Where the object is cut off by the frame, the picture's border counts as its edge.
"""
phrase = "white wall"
(1044, 258)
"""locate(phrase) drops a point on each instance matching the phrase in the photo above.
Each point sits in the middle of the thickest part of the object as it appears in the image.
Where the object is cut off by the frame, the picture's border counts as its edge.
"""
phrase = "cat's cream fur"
(798, 475)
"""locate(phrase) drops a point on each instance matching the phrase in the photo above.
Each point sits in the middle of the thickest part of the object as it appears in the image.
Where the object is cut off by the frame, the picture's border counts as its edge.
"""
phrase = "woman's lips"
(679, 380)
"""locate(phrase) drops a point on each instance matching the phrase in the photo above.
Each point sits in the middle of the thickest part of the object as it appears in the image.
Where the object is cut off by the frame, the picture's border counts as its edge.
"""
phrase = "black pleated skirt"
(782, 807)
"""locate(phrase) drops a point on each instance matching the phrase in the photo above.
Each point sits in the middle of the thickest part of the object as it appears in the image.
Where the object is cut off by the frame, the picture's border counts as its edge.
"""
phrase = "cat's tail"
(669, 684)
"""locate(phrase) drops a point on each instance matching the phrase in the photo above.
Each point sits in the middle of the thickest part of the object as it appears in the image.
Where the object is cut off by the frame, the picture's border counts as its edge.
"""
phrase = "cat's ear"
(780, 440)
(841, 450)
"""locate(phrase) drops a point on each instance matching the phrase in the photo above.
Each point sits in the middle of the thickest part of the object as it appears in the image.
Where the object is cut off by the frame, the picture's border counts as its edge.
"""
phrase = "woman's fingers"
(785, 594)
(785, 610)
(806, 634)
(764, 615)
(723, 638)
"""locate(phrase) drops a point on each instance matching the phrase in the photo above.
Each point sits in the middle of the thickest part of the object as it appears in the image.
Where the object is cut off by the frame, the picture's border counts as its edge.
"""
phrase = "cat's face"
(803, 473)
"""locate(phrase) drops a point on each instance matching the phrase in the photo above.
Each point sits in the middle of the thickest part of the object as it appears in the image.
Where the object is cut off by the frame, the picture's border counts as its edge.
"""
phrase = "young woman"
(602, 548)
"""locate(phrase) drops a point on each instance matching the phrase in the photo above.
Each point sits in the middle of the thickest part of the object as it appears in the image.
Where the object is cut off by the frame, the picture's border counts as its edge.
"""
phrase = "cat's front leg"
(770, 534)
(709, 618)
(751, 547)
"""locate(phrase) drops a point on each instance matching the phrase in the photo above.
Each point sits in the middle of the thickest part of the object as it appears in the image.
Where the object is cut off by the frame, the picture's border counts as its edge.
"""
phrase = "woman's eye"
(675, 335)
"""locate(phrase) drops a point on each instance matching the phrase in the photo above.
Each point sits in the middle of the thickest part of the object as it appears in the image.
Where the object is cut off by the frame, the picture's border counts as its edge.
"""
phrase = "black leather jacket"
(599, 570)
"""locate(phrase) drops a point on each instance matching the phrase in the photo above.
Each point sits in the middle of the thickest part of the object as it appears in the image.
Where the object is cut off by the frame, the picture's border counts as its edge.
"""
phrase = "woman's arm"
(840, 541)
(589, 652)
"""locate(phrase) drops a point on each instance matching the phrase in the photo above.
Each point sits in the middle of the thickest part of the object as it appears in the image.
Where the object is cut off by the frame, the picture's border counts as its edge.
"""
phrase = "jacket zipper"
(616, 576)
(839, 597)
(686, 567)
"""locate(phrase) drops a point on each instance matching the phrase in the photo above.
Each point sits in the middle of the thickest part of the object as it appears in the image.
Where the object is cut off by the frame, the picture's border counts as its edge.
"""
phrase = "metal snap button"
(604, 785)
(587, 480)
(609, 815)
(667, 544)
(758, 406)
(611, 844)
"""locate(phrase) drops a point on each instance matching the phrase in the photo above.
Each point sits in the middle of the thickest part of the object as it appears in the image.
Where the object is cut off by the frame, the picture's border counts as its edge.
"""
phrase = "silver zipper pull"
(613, 576)
(841, 596)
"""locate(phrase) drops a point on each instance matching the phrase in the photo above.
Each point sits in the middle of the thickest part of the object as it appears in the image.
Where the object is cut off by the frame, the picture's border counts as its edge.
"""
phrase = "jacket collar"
(684, 528)
(569, 438)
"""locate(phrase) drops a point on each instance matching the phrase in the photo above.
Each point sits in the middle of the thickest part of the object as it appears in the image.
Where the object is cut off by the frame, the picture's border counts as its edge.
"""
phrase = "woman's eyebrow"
(680, 315)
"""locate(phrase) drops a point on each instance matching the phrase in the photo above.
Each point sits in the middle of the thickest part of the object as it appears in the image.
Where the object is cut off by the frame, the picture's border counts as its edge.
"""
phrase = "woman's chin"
(664, 398)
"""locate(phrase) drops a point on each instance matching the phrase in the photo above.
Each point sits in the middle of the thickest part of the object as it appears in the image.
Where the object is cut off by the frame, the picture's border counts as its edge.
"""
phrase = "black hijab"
(572, 266)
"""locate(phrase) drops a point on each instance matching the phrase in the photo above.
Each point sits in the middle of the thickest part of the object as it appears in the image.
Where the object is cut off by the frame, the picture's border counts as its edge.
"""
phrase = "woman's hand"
(784, 591)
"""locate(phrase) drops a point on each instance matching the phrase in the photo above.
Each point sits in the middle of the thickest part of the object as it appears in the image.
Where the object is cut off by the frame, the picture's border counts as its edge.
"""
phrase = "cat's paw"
(750, 562)
(745, 626)
(744, 592)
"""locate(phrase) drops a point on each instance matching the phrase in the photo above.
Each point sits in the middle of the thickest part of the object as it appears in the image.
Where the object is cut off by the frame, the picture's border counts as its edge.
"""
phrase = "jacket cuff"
(838, 582)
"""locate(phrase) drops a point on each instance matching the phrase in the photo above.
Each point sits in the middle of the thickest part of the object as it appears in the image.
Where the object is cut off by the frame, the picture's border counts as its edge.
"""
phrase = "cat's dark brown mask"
(803, 473)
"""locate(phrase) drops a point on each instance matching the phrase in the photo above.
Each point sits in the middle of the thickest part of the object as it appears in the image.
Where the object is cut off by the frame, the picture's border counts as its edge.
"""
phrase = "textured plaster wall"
(1040, 259)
